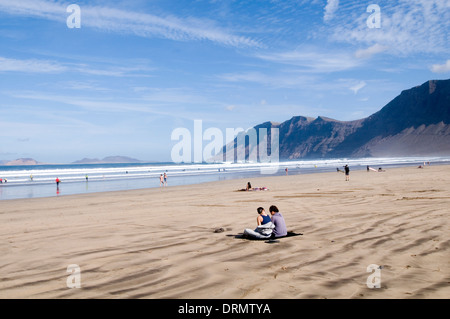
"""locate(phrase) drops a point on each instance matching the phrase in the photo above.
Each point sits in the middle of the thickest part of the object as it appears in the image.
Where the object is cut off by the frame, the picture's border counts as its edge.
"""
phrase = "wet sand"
(161, 243)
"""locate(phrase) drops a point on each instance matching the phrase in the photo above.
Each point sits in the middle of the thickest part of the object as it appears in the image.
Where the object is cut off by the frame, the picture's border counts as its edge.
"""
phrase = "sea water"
(39, 180)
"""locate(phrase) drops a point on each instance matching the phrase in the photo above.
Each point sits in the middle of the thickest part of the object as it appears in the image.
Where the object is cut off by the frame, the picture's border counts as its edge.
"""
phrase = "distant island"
(108, 160)
(20, 162)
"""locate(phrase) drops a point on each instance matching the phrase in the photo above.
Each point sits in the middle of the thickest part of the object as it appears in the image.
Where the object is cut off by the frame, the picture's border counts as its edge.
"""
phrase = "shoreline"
(10, 190)
(238, 181)
(160, 243)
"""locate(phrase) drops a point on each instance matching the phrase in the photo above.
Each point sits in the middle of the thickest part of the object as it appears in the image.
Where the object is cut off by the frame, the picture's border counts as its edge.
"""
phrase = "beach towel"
(253, 189)
(289, 234)
(268, 239)
(261, 232)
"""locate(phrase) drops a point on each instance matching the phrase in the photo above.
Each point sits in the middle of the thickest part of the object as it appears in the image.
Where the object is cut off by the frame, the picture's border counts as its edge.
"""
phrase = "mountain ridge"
(415, 123)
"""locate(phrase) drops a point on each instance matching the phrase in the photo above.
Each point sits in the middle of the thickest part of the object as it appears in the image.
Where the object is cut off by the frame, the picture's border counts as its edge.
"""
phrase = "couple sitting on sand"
(268, 227)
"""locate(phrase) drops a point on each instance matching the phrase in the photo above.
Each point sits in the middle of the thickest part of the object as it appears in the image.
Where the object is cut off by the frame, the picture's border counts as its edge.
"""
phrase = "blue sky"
(136, 70)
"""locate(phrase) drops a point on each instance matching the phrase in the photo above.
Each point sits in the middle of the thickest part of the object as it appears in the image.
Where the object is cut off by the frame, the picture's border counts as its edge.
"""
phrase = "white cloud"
(46, 66)
(367, 53)
(355, 88)
(313, 60)
(82, 85)
(330, 9)
(407, 27)
(441, 68)
(129, 22)
(36, 8)
(30, 66)
(170, 103)
(88, 103)
(282, 80)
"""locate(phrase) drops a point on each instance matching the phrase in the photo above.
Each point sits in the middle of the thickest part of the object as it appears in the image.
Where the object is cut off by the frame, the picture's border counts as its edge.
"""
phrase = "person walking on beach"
(286, 170)
(347, 173)
(280, 229)
(161, 180)
(165, 179)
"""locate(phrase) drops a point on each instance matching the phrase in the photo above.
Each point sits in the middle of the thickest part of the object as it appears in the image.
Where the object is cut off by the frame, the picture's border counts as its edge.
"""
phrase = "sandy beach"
(161, 242)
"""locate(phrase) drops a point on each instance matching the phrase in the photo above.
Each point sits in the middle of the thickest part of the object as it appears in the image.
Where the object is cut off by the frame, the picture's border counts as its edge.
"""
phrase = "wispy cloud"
(314, 61)
(230, 107)
(164, 104)
(370, 51)
(355, 88)
(88, 85)
(330, 9)
(30, 66)
(37, 8)
(283, 80)
(129, 22)
(407, 27)
(113, 71)
(89, 103)
(441, 68)
(48, 66)
(171, 96)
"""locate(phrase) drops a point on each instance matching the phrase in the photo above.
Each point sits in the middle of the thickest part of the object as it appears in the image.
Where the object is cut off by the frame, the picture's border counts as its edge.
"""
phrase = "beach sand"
(160, 243)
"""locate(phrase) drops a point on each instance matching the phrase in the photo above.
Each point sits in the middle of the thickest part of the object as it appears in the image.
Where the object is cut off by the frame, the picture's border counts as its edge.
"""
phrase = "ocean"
(39, 181)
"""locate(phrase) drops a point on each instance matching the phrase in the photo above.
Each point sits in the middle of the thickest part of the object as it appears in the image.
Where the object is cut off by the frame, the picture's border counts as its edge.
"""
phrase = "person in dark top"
(264, 228)
(347, 172)
(262, 218)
